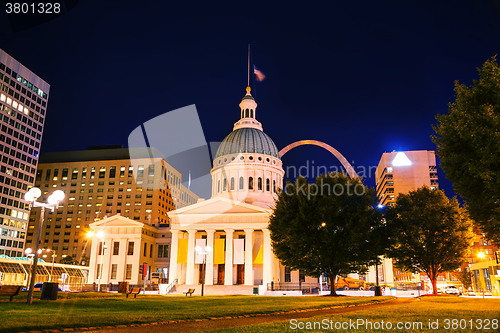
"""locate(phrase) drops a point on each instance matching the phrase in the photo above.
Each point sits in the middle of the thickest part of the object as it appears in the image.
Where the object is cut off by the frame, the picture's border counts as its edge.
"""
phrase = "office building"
(23, 105)
(101, 182)
(404, 171)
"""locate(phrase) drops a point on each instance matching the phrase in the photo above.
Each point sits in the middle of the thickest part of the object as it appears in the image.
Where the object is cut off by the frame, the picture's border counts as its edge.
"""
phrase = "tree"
(468, 145)
(465, 277)
(329, 226)
(66, 260)
(431, 233)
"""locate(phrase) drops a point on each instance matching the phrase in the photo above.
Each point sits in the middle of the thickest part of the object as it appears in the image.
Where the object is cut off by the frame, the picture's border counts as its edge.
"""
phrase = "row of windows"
(11, 223)
(29, 131)
(22, 80)
(10, 253)
(21, 108)
(11, 243)
(19, 116)
(250, 184)
(25, 100)
(245, 113)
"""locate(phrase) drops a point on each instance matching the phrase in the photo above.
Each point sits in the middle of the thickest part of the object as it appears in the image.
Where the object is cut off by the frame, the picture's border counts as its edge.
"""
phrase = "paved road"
(194, 326)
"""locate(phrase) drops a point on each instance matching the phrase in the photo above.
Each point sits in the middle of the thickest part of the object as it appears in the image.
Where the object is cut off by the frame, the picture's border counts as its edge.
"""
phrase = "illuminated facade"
(100, 183)
(402, 172)
(247, 172)
(23, 104)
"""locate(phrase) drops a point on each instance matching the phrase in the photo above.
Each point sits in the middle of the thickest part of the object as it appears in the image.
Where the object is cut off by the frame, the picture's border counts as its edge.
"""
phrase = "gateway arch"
(347, 166)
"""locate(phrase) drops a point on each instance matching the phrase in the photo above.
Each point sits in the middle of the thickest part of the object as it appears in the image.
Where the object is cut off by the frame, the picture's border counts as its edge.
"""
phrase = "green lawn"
(433, 309)
(97, 312)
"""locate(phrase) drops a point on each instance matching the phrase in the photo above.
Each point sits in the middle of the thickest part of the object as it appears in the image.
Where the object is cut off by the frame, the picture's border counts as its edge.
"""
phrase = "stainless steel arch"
(347, 166)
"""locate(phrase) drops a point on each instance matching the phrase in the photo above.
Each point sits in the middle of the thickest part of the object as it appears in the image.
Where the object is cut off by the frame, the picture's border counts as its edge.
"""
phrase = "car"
(450, 290)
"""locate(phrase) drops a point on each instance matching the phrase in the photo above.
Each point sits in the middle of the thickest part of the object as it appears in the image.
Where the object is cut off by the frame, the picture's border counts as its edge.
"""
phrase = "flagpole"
(248, 76)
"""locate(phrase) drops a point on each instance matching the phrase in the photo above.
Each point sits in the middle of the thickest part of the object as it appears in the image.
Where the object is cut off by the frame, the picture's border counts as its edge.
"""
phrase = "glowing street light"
(53, 201)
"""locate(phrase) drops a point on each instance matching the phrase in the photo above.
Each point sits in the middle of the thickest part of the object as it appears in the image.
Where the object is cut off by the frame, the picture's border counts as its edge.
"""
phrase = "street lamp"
(29, 254)
(200, 251)
(31, 196)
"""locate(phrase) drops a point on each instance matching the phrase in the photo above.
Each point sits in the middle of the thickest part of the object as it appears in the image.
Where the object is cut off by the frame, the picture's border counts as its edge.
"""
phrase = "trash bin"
(123, 287)
(49, 291)
(255, 290)
(378, 291)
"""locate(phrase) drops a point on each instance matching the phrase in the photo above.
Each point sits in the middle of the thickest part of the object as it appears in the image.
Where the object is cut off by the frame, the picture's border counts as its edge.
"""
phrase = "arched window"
(242, 113)
(241, 183)
(225, 184)
(259, 184)
(251, 113)
(250, 183)
(246, 113)
(232, 183)
(267, 185)
(274, 186)
(218, 186)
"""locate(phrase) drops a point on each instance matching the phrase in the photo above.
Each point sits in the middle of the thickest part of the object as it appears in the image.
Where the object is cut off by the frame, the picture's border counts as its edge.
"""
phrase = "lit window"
(2, 97)
(9, 101)
(14, 104)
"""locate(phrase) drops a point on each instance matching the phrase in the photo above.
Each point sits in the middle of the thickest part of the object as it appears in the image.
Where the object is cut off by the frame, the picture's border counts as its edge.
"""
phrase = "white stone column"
(190, 258)
(174, 245)
(93, 260)
(248, 257)
(209, 270)
(268, 258)
(228, 274)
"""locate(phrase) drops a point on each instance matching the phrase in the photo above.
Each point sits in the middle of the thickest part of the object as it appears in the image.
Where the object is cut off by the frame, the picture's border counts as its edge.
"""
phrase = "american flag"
(260, 76)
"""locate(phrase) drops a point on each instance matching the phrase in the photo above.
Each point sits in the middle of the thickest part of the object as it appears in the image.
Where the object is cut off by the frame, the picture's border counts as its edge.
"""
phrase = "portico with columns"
(238, 236)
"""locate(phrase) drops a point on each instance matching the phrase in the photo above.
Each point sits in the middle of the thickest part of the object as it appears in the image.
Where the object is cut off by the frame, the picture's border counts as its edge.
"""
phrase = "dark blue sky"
(365, 77)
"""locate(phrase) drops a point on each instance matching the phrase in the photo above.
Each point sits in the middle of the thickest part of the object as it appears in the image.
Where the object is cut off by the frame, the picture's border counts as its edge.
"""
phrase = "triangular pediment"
(116, 221)
(219, 205)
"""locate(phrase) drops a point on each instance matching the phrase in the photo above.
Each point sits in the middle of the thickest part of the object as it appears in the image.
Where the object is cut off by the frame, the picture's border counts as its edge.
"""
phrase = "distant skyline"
(364, 77)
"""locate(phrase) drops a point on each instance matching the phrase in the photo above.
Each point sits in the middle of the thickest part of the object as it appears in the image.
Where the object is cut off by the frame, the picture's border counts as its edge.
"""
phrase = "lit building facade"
(99, 183)
(247, 172)
(405, 171)
(23, 105)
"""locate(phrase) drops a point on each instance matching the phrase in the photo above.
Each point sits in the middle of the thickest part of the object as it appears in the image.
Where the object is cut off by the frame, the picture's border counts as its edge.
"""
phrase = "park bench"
(10, 291)
(190, 292)
(134, 291)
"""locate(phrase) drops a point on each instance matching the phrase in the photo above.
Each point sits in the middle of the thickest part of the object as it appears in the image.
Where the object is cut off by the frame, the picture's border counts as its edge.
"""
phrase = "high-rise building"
(404, 171)
(23, 103)
(101, 182)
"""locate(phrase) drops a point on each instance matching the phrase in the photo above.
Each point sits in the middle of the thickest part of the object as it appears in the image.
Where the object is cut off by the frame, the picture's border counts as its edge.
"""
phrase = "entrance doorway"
(240, 274)
(220, 273)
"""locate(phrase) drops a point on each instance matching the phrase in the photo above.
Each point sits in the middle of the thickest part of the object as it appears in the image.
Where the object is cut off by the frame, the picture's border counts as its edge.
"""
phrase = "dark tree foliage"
(431, 233)
(330, 226)
(67, 260)
(465, 277)
(468, 145)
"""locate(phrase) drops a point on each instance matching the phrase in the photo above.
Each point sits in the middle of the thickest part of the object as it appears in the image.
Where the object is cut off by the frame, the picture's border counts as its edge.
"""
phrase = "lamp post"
(29, 254)
(204, 253)
(31, 196)
(52, 269)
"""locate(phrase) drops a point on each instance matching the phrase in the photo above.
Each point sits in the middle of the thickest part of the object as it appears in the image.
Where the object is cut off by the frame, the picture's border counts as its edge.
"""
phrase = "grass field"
(470, 315)
(86, 311)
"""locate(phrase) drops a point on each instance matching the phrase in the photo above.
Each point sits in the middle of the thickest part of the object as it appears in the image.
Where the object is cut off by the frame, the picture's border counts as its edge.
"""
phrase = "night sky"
(365, 77)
